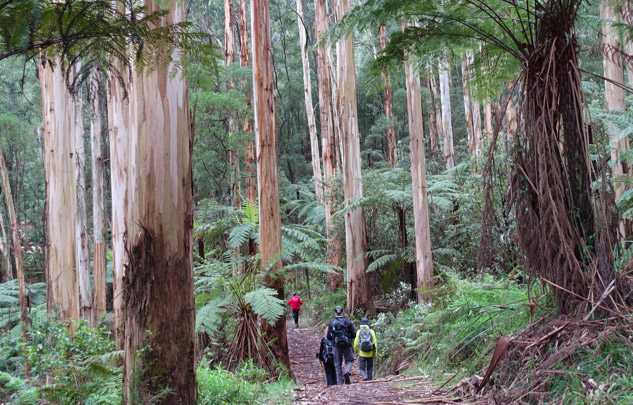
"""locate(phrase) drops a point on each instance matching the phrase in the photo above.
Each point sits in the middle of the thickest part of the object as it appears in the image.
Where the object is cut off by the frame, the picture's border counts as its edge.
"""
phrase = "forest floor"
(303, 344)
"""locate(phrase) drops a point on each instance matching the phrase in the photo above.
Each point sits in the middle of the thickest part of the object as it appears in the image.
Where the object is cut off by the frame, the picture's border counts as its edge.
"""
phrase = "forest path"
(303, 344)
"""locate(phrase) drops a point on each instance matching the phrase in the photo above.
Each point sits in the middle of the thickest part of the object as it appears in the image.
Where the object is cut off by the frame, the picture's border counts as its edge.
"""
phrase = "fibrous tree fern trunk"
(358, 294)
(59, 119)
(334, 255)
(158, 304)
(423, 257)
(265, 114)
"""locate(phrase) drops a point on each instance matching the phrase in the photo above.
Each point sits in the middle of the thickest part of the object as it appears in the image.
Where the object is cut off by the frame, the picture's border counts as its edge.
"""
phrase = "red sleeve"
(289, 301)
(300, 302)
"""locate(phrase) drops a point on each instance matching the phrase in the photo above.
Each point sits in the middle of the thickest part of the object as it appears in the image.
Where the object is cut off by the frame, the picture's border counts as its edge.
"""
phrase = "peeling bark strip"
(158, 283)
(334, 255)
(62, 292)
(358, 294)
(423, 257)
(265, 114)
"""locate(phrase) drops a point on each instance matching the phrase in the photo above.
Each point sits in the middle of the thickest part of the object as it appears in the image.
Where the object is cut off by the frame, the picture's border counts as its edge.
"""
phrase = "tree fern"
(381, 262)
(265, 303)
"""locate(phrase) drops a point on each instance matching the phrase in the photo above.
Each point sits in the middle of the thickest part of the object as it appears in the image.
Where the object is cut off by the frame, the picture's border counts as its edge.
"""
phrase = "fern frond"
(239, 234)
(322, 267)
(381, 262)
(265, 303)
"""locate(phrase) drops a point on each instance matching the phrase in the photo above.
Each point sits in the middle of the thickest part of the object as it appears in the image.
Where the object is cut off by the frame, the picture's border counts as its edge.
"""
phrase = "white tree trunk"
(58, 114)
(468, 108)
(423, 257)
(158, 284)
(447, 126)
(98, 200)
(265, 119)
(120, 128)
(488, 118)
(82, 246)
(307, 94)
(334, 252)
(358, 294)
(4, 249)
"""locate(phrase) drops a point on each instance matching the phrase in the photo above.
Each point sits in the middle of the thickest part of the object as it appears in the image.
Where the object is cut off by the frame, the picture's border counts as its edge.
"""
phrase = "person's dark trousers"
(295, 317)
(341, 354)
(366, 366)
(330, 372)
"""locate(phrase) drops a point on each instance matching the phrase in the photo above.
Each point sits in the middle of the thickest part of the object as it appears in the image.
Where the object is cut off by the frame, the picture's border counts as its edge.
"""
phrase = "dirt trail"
(303, 344)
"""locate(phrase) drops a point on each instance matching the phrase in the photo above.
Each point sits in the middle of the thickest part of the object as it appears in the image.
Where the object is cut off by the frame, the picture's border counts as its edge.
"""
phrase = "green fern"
(265, 303)
(322, 267)
(381, 262)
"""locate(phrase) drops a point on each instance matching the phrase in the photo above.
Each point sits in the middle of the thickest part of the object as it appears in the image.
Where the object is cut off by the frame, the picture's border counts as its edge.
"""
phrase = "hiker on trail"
(341, 332)
(366, 346)
(326, 356)
(295, 306)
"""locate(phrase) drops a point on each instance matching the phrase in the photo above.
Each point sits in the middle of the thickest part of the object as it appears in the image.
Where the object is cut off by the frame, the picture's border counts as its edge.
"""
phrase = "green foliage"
(10, 300)
(14, 390)
(264, 303)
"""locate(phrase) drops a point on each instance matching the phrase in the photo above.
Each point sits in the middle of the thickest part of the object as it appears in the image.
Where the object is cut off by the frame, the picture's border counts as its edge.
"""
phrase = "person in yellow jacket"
(366, 345)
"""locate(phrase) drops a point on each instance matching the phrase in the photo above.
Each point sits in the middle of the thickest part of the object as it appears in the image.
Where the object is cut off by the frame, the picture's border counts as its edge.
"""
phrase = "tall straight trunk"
(265, 114)
(476, 110)
(17, 254)
(432, 117)
(82, 245)
(447, 126)
(159, 313)
(423, 257)
(229, 58)
(334, 250)
(307, 94)
(511, 121)
(626, 13)
(62, 295)
(5, 245)
(472, 145)
(488, 118)
(247, 125)
(437, 108)
(614, 94)
(358, 292)
(120, 128)
(98, 200)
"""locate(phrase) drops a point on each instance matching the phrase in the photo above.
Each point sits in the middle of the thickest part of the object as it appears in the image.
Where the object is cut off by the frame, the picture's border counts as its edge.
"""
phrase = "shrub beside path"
(303, 344)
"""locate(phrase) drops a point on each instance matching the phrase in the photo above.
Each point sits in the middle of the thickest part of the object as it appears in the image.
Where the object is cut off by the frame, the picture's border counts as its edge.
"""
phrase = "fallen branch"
(445, 382)
(549, 335)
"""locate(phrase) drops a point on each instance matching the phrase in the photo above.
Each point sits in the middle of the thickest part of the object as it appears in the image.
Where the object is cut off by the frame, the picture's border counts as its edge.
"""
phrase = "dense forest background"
(495, 267)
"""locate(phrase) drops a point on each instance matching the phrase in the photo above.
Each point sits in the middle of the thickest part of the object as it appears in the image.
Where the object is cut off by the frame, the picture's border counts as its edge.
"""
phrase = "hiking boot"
(346, 376)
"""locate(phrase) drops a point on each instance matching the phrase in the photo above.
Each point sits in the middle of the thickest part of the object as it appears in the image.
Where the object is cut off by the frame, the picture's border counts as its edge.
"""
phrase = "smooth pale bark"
(475, 112)
(432, 118)
(511, 121)
(229, 58)
(468, 109)
(358, 292)
(98, 200)
(423, 256)
(437, 109)
(4, 250)
(265, 114)
(120, 128)
(58, 113)
(82, 246)
(307, 95)
(247, 125)
(334, 250)
(626, 13)
(614, 94)
(17, 254)
(447, 126)
(488, 118)
(158, 310)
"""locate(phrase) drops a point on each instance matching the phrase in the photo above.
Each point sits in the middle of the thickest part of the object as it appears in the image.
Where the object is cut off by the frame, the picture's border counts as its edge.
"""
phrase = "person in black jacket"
(341, 332)
(326, 356)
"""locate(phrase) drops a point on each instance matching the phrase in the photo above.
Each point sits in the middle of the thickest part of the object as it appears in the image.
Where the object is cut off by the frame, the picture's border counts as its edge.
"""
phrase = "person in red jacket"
(295, 305)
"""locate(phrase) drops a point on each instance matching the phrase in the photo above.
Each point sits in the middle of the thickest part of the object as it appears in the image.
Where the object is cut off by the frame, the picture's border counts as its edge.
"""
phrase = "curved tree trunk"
(423, 257)
(358, 293)
(159, 313)
(334, 255)
(62, 291)
(265, 114)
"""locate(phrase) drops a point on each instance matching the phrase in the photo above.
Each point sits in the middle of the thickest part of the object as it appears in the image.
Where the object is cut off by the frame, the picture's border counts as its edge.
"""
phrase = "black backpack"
(339, 333)
(328, 351)
(365, 340)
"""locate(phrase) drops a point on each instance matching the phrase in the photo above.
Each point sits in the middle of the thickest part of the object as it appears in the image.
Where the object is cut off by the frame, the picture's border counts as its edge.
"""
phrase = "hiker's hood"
(364, 326)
